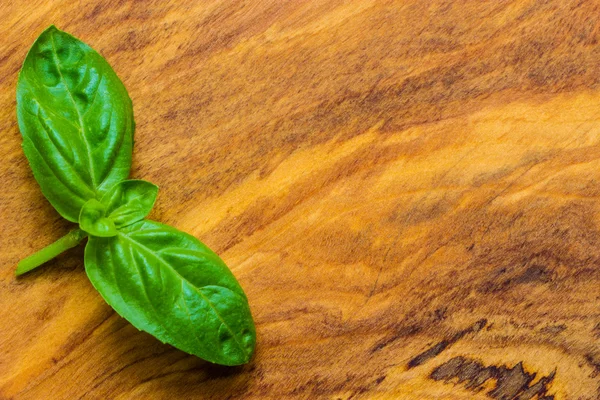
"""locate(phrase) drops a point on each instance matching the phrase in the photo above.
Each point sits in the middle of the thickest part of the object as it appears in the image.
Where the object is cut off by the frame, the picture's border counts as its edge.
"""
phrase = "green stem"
(68, 241)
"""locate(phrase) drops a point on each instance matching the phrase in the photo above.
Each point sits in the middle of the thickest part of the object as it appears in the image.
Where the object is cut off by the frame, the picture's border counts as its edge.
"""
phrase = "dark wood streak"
(511, 383)
(444, 344)
(595, 363)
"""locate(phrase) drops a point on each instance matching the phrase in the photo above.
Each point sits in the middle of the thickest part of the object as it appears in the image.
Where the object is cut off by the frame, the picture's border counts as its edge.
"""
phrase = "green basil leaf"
(130, 201)
(169, 284)
(76, 120)
(94, 221)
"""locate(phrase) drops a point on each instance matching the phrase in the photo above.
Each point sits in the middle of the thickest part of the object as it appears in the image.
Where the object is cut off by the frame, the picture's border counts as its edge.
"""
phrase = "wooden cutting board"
(408, 192)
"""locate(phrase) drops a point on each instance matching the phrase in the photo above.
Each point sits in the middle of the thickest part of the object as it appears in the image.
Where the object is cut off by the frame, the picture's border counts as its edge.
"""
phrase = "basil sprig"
(76, 120)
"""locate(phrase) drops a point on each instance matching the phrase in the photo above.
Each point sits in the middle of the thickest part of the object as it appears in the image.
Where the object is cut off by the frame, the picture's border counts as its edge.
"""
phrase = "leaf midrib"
(150, 251)
(39, 116)
(79, 116)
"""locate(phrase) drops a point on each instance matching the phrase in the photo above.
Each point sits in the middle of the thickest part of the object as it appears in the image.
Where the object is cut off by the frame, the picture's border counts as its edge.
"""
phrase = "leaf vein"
(198, 290)
(52, 168)
(135, 263)
(58, 149)
(94, 99)
(81, 125)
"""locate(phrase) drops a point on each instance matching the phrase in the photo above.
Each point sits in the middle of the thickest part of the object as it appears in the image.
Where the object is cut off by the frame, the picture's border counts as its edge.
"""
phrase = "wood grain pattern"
(407, 191)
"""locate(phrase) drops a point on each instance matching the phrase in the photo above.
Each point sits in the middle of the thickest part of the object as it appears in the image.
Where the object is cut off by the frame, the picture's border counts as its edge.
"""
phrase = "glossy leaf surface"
(76, 120)
(169, 284)
(94, 221)
(130, 201)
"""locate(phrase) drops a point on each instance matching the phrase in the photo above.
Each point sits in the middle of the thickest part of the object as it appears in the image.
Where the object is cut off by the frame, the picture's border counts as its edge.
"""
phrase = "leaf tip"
(51, 28)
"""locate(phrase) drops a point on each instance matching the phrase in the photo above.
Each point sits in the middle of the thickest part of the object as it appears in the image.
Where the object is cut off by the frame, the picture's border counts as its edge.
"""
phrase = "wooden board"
(408, 192)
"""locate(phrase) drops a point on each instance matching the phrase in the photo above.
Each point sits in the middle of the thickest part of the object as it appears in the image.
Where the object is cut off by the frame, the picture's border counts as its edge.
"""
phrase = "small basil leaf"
(76, 120)
(130, 201)
(94, 221)
(169, 284)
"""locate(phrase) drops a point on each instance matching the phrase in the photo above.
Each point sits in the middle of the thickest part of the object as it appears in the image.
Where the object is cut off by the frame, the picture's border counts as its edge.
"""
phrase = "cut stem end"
(68, 241)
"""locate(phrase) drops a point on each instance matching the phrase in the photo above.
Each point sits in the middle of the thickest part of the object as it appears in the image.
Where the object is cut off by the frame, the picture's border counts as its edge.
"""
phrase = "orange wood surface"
(407, 191)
